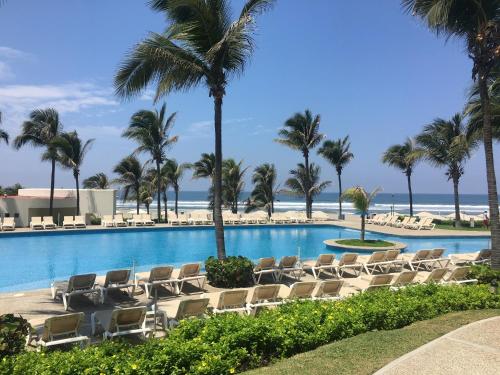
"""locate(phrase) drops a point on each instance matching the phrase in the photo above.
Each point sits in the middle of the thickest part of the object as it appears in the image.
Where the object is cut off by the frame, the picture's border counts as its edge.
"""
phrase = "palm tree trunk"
(176, 200)
(457, 201)
(308, 183)
(363, 227)
(52, 184)
(490, 172)
(165, 201)
(158, 188)
(77, 194)
(410, 193)
(147, 208)
(340, 195)
(138, 200)
(219, 225)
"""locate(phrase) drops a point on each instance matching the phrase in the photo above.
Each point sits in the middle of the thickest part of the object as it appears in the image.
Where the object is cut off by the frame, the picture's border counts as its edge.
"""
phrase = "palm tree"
(71, 151)
(304, 183)
(174, 174)
(404, 157)
(97, 181)
(446, 143)
(232, 183)
(338, 154)
(3, 134)
(150, 129)
(39, 131)
(201, 45)
(301, 132)
(361, 201)
(152, 176)
(131, 176)
(265, 189)
(205, 168)
(476, 22)
(146, 192)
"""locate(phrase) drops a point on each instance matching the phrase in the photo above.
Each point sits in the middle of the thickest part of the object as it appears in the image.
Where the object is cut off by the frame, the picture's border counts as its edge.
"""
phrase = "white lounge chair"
(117, 279)
(8, 224)
(379, 282)
(234, 300)
(119, 322)
(403, 279)
(118, 221)
(427, 224)
(189, 272)
(80, 222)
(180, 219)
(402, 223)
(157, 276)
(277, 218)
(349, 261)
(107, 221)
(322, 263)
(481, 257)
(264, 296)
(68, 222)
(188, 308)
(460, 275)
(376, 262)
(329, 290)
(48, 223)
(60, 330)
(411, 223)
(76, 285)
(289, 266)
(146, 220)
(299, 290)
(320, 216)
(36, 223)
(136, 220)
(435, 276)
(265, 266)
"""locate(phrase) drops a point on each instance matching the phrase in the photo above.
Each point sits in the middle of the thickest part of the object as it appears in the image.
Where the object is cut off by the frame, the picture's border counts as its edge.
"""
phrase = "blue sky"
(372, 72)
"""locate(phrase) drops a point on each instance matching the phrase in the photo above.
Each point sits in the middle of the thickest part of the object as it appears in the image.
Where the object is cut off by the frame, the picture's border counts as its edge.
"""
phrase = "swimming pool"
(33, 260)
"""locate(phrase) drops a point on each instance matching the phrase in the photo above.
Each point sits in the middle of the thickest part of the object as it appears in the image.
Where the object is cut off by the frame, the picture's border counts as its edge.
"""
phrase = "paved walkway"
(472, 349)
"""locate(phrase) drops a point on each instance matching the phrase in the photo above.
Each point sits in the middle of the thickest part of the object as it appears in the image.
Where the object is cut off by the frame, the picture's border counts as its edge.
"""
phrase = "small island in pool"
(366, 245)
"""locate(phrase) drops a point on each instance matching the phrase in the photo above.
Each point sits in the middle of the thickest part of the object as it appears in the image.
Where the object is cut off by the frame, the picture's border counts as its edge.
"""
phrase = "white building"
(35, 202)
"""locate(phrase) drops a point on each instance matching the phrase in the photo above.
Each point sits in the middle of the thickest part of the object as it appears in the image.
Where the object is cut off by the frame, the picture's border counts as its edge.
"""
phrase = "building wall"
(35, 202)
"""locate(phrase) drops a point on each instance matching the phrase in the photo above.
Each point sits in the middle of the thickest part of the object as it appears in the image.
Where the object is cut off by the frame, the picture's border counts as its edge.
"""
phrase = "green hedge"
(231, 272)
(13, 332)
(485, 275)
(231, 343)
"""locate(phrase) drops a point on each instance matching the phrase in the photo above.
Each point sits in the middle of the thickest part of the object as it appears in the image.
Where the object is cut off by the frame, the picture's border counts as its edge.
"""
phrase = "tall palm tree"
(201, 45)
(361, 201)
(338, 154)
(265, 189)
(174, 174)
(232, 183)
(3, 134)
(97, 181)
(146, 192)
(152, 176)
(304, 183)
(475, 22)
(71, 151)
(205, 168)
(404, 157)
(446, 143)
(150, 129)
(301, 132)
(130, 175)
(39, 131)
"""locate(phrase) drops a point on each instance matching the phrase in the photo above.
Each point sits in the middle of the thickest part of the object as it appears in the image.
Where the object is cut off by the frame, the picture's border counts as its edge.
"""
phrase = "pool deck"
(351, 222)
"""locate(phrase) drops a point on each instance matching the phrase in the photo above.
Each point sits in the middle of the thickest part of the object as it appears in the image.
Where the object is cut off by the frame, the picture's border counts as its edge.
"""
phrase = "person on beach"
(486, 220)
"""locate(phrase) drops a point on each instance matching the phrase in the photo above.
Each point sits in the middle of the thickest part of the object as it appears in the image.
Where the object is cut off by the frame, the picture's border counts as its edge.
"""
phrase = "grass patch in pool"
(365, 243)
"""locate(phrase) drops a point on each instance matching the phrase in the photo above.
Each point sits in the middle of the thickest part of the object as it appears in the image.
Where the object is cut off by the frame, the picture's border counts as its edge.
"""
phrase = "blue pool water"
(30, 261)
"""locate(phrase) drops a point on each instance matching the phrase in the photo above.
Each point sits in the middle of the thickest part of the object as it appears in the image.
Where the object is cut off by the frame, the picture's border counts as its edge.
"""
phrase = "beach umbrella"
(425, 214)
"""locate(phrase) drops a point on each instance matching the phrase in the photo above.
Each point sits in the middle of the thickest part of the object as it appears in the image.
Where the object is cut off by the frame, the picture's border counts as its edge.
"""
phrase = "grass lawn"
(367, 243)
(368, 352)
(468, 228)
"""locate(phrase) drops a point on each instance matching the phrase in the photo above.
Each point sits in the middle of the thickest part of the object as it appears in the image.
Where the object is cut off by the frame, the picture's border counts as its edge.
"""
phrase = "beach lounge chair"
(180, 219)
(300, 290)
(68, 222)
(118, 221)
(36, 223)
(60, 330)
(460, 275)
(418, 259)
(80, 222)
(261, 217)
(320, 216)
(136, 220)
(248, 219)
(435, 276)
(383, 220)
(189, 272)
(289, 266)
(276, 218)
(393, 260)
(188, 308)
(119, 322)
(264, 296)
(265, 266)
(8, 224)
(48, 223)
(234, 300)
(196, 219)
(390, 221)
(481, 257)
(107, 221)
(157, 276)
(76, 285)
(349, 261)
(329, 290)
(146, 220)
(370, 220)
(376, 262)
(323, 262)
(402, 223)
(410, 224)
(117, 279)
(403, 279)
(379, 282)
(427, 224)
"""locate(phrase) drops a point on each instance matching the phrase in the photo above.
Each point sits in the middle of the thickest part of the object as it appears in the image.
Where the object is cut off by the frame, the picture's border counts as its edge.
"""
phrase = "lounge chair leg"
(53, 291)
(66, 301)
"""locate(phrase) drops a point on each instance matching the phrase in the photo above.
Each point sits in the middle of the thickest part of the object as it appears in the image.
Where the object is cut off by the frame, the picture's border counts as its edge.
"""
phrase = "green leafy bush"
(232, 272)
(230, 343)
(13, 332)
(485, 275)
(94, 220)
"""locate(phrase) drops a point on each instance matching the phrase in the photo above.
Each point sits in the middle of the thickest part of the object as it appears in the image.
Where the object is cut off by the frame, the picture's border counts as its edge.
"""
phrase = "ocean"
(438, 204)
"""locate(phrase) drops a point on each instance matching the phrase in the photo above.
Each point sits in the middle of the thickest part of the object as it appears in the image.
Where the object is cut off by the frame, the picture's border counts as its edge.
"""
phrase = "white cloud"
(5, 71)
(11, 53)
(7, 55)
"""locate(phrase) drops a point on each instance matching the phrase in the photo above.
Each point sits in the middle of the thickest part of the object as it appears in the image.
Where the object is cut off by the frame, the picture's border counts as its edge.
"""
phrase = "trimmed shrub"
(230, 343)
(232, 272)
(13, 332)
(485, 274)
(94, 220)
